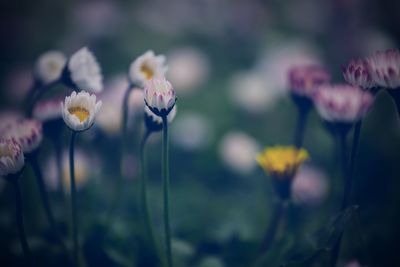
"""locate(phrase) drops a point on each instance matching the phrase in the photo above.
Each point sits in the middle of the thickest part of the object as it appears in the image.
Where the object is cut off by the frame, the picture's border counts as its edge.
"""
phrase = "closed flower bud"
(159, 96)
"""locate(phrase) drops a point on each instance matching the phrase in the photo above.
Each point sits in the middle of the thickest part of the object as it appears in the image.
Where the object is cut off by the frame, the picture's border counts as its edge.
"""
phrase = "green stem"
(143, 194)
(125, 112)
(44, 196)
(73, 200)
(167, 228)
(271, 232)
(116, 195)
(20, 219)
(300, 127)
(353, 155)
(346, 194)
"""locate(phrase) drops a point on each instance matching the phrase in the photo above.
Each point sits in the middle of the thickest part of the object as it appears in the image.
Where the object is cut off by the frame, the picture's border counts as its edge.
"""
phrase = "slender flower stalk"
(11, 167)
(300, 126)
(347, 181)
(78, 111)
(32, 158)
(273, 227)
(73, 200)
(281, 163)
(160, 98)
(143, 195)
(166, 182)
(20, 219)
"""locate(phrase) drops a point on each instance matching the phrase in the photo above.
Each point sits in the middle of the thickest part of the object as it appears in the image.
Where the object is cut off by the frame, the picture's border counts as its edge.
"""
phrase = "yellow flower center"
(53, 66)
(147, 71)
(282, 161)
(5, 152)
(79, 112)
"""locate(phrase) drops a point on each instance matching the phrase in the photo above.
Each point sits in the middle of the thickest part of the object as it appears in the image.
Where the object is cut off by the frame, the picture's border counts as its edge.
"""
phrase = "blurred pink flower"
(238, 151)
(384, 67)
(342, 103)
(305, 79)
(310, 186)
(356, 73)
(26, 132)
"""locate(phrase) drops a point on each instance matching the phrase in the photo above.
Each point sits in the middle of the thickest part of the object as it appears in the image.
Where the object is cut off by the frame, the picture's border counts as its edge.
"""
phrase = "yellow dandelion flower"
(282, 161)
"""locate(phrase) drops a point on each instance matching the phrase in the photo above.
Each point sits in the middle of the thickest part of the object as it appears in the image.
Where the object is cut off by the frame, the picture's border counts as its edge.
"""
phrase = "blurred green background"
(228, 61)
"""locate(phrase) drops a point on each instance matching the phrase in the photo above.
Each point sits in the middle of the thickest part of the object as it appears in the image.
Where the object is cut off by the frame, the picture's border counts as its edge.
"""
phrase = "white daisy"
(147, 67)
(49, 66)
(84, 71)
(79, 110)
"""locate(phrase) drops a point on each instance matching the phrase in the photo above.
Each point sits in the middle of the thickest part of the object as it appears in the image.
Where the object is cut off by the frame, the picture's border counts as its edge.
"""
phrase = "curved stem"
(58, 156)
(125, 113)
(44, 196)
(300, 127)
(143, 194)
(73, 200)
(37, 95)
(167, 228)
(20, 219)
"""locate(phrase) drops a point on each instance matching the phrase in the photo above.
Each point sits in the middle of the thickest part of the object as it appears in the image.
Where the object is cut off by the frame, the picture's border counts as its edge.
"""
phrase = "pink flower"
(384, 67)
(342, 103)
(356, 73)
(26, 132)
(304, 79)
(11, 157)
